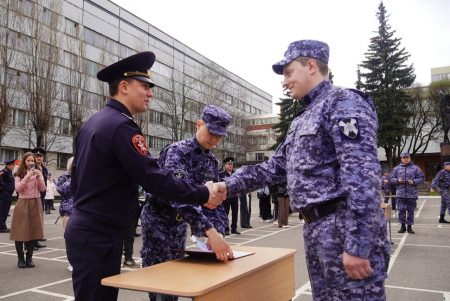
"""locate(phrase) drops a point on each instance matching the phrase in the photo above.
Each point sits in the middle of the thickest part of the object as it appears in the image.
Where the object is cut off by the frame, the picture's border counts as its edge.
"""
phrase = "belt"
(163, 207)
(317, 212)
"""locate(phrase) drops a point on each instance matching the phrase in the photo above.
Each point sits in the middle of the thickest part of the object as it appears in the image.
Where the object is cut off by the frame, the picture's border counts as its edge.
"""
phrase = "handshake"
(217, 194)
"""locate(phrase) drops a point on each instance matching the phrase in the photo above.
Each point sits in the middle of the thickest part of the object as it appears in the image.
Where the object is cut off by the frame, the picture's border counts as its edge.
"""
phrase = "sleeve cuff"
(354, 248)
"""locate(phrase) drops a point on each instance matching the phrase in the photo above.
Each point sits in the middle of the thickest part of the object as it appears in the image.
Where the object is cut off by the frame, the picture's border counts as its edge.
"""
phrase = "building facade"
(51, 51)
(260, 137)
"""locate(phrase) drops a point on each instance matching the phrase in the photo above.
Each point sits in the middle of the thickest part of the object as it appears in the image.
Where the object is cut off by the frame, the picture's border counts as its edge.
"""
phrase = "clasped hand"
(217, 194)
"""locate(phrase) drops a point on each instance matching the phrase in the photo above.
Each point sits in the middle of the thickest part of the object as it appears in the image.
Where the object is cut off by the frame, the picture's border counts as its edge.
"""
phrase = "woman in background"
(64, 189)
(27, 224)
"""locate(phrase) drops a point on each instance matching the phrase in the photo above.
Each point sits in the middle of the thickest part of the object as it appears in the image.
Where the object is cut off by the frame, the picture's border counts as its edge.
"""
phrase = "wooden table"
(267, 275)
(387, 208)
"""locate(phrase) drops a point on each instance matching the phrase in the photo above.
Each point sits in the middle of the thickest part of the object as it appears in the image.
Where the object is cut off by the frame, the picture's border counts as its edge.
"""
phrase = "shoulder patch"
(349, 127)
(179, 173)
(139, 144)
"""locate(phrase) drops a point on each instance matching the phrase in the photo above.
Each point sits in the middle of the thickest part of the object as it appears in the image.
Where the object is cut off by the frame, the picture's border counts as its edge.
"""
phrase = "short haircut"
(323, 68)
(114, 85)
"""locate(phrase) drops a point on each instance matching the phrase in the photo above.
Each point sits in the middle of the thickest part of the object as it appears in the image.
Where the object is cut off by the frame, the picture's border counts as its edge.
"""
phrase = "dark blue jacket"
(111, 160)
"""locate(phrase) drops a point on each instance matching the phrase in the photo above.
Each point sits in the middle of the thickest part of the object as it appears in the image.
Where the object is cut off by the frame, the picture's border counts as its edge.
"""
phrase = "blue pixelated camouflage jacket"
(67, 199)
(406, 172)
(330, 151)
(189, 162)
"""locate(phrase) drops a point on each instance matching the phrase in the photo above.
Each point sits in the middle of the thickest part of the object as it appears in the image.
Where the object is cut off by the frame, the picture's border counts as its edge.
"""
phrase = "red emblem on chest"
(139, 144)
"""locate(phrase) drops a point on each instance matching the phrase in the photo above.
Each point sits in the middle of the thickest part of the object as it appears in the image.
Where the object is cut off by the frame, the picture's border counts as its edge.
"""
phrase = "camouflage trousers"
(163, 239)
(324, 248)
(406, 207)
(445, 201)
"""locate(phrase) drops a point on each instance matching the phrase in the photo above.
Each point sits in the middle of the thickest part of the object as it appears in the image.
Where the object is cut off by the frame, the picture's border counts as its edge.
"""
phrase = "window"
(259, 156)
(157, 143)
(61, 126)
(62, 160)
(156, 117)
(9, 154)
(71, 28)
(17, 118)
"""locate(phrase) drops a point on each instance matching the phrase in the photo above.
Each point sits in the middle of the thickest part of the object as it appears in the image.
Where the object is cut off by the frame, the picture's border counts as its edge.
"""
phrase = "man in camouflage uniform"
(164, 226)
(441, 182)
(329, 159)
(386, 186)
(406, 176)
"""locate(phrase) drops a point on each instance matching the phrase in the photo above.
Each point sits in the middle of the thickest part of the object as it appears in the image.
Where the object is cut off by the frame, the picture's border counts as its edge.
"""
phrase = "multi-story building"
(51, 52)
(440, 73)
(260, 137)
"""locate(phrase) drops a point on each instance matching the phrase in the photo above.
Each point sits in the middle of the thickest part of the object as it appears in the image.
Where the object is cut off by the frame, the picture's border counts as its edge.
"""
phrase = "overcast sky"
(247, 37)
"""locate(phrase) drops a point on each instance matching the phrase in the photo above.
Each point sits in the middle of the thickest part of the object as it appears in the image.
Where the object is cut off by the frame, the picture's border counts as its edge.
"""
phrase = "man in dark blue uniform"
(111, 161)
(7, 187)
(39, 154)
(231, 202)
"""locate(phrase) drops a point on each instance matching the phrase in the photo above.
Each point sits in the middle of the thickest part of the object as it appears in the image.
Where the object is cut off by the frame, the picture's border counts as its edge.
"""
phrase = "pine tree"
(385, 76)
(289, 108)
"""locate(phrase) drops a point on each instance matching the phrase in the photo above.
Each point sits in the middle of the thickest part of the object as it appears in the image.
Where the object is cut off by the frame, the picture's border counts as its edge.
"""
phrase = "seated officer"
(111, 161)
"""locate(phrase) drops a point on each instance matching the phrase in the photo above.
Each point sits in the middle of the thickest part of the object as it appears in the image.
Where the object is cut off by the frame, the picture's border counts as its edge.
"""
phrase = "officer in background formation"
(164, 224)
(231, 202)
(7, 187)
(441, 182)
(406, 176)
(329, 159)
(39, 154)
(245, 209)
(386, 186)
(111, 161)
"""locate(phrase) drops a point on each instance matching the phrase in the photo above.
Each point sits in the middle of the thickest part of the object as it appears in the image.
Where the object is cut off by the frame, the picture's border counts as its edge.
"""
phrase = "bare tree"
(8, 42)
(177, 105)
(41, 66)
(439, 95)
(426, 124)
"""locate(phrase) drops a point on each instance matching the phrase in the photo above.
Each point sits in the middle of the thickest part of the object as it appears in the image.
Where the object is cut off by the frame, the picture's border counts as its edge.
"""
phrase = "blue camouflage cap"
(216, 120)
(303, 48)
(136, 66)
(446, 163)
(404, 154)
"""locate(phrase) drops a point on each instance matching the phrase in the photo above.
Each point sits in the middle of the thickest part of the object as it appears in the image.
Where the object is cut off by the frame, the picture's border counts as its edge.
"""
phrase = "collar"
(113, 103)
(323, 86)
(197, 147)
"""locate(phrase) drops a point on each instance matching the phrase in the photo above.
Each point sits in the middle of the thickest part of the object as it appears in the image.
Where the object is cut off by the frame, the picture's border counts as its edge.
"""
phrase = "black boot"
(442, 220)
(19, 248)
(29, 256)
(410, 230)
(402, 229)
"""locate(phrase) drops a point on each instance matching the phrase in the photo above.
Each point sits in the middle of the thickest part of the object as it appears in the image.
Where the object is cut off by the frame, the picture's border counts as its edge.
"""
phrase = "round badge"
(139, 144)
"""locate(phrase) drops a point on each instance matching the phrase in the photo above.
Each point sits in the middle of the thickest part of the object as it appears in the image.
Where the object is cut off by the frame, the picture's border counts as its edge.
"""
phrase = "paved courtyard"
(419, 268)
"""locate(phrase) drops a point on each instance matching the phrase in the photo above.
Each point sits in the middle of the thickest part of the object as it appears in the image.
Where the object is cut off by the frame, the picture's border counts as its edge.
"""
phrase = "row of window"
(258, 140)
(19, 118)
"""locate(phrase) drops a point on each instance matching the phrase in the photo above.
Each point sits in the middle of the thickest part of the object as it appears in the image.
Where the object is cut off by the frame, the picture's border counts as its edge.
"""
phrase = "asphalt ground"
(419, 269)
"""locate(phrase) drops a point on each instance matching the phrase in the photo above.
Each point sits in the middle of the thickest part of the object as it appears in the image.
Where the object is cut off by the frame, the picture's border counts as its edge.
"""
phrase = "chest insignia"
(139, 144)
(179, 173)
(349, 127)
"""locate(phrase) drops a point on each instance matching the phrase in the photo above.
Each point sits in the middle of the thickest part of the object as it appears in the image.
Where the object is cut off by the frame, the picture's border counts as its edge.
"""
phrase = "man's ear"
(199, 123)
(122, 88)
(312, 66)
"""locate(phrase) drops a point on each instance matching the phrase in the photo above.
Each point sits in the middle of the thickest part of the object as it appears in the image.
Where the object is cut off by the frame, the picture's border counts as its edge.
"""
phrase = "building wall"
(100, 33)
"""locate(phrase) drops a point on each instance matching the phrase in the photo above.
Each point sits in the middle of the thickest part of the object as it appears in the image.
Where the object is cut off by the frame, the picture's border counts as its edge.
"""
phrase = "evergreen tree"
(289, 108)
(385, 76)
